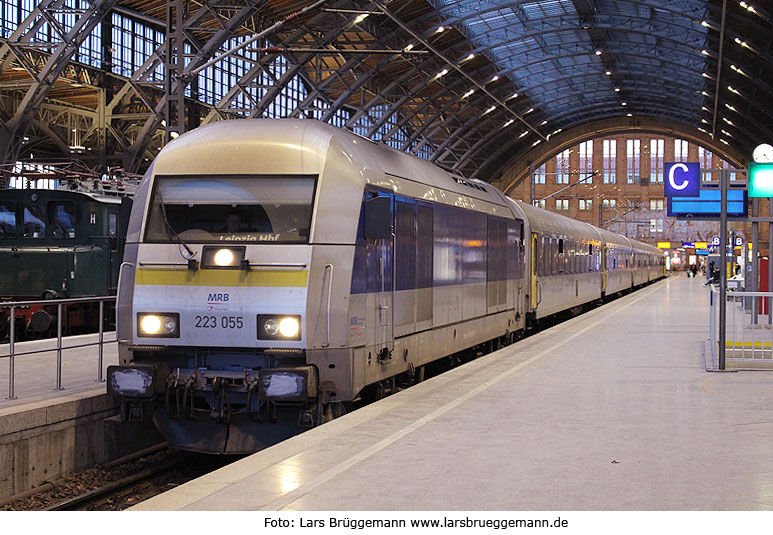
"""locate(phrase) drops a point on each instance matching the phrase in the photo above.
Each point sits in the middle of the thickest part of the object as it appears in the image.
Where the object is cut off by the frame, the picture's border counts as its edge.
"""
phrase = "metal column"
(723, 175)
(770, 258)
(755, 256)
(174, 63)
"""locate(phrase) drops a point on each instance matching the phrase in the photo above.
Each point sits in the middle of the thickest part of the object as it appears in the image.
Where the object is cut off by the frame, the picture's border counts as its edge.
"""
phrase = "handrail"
(329, 298)
(741, 293)
(60, 305)
(280, 265)
(747, 342)
(267, 265)
(118, 285)
(162, 263)
(5, 304)
(539, 292)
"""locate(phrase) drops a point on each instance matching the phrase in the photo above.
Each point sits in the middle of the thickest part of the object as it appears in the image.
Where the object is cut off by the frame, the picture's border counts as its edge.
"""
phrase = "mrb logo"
(213, 300)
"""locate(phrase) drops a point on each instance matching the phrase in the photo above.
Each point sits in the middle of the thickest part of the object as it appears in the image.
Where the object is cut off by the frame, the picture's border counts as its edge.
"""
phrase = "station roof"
(468, 83)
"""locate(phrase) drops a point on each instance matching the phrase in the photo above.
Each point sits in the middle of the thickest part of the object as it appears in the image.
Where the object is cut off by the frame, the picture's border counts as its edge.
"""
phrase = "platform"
(46, 433)
(612, 410)
(35, 373)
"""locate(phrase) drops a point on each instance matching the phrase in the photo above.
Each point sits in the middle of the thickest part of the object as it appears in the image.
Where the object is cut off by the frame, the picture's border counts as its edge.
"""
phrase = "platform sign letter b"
(682, 179)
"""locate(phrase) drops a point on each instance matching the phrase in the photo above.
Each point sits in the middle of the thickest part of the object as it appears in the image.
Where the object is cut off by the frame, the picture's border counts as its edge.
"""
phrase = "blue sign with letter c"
(682, 179)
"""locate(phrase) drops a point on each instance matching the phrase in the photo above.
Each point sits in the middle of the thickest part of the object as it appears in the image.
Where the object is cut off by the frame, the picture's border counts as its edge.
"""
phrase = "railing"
(61, 306)
(749, 329)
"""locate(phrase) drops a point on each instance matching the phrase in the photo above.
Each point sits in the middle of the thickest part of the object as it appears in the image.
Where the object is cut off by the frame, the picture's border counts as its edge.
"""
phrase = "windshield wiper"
(171, 231)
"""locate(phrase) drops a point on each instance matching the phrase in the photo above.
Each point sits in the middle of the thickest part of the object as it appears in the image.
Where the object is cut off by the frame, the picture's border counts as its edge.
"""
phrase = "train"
(278, 271)
(58, 244)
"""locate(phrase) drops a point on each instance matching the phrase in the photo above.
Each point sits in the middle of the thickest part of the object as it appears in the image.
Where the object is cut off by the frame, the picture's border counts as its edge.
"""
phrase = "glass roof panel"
(537, 44)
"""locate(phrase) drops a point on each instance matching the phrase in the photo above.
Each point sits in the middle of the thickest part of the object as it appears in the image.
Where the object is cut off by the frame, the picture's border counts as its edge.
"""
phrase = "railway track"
(119, 484)
(115, 490)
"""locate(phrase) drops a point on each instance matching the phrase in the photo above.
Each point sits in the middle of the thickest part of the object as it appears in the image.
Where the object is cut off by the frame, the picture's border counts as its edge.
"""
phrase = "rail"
(749, 329)
(60, 304)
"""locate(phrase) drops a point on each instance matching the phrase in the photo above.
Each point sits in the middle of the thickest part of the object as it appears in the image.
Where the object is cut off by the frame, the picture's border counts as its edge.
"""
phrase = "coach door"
(604, 260)
(379, 225)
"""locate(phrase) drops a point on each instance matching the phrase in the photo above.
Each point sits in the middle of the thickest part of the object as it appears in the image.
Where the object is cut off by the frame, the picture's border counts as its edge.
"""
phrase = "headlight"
(279, 327)
(289, 327)
(158, 325)
(215, 257)
(224, 257)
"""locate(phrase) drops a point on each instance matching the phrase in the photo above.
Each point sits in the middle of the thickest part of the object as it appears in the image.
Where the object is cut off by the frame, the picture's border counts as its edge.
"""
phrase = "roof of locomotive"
(17, 193)
(302, 146)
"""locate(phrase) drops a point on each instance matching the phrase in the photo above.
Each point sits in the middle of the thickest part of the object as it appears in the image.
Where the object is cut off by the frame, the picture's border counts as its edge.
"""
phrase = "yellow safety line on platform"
(221, 277)
(757, 345)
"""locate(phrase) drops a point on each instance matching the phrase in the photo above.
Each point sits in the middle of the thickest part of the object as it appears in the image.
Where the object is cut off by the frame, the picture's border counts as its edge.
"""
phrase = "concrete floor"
(612, 410)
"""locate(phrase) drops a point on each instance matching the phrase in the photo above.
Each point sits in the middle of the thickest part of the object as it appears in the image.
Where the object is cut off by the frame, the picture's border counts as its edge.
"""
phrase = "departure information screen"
(708, 205)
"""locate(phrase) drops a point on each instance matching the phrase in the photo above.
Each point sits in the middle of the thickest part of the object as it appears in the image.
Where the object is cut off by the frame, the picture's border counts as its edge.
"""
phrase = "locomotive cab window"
(263, 209)
(34, 222)
(7, 219)
(61, 218)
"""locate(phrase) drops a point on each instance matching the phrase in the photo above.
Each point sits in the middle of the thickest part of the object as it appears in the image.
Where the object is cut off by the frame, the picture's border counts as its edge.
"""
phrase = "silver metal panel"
(424, 308)
(618, 281)
(473, 300)
(413, 311)
(441, 305)
(405, 312)
(560, 292)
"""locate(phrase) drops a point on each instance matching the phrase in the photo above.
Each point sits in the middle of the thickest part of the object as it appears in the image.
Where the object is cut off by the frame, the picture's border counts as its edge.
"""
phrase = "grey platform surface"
(612, 410)
(35, 373)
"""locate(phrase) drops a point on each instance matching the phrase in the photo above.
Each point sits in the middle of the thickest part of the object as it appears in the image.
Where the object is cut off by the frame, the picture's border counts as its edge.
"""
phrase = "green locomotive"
(58, 244)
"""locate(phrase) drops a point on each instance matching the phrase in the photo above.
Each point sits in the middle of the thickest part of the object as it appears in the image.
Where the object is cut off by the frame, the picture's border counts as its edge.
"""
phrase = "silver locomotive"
(276, 271)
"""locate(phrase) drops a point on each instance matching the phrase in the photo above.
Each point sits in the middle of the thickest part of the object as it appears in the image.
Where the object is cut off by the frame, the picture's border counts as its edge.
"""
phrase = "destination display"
(708, 205)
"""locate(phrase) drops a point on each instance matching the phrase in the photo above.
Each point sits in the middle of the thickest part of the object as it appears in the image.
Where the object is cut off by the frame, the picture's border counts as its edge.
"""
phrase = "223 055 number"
(224, 322)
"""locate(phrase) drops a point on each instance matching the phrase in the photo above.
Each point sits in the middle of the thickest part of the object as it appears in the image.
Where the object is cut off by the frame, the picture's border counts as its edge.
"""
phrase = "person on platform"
(714, 279)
